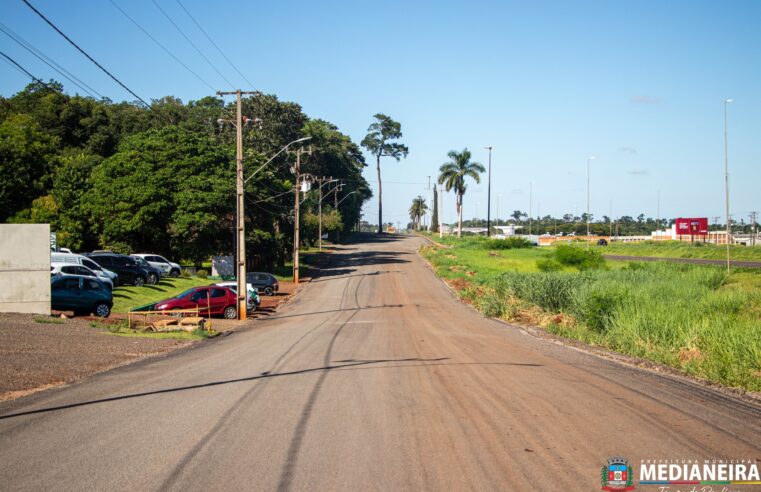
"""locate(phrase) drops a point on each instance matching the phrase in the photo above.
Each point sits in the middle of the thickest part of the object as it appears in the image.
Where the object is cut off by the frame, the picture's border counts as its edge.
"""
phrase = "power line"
(160, 45)
(84, 52)
(48, 61)
(215, 44)
(192, 43)
(20, 68)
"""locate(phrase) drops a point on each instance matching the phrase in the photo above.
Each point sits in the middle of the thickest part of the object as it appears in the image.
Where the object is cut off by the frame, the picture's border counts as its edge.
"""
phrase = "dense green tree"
(167, 191)
(378, 143)
(26, 155)
(452, 176)
(435, 212)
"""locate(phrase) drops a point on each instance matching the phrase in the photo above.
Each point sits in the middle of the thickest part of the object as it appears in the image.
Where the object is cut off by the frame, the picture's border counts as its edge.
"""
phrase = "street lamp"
(589, 159)
(303, 139)
(726, 177)
(488, 198)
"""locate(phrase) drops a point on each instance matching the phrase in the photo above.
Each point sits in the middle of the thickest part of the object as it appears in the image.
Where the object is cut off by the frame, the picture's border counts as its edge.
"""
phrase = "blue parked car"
(83, 295)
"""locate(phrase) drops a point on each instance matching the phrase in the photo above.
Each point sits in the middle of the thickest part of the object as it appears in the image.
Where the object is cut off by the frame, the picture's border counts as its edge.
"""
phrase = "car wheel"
(174, 273)
(139, 281)
(268, 291)
(152, 278)
(231, 312)
(102, 310)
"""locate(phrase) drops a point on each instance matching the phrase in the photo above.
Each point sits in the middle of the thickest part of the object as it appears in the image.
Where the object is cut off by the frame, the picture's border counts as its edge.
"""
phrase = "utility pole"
(726, 179)
(753, 228)
(428, 202)
(530, 202)
(658, 214)
(240, 269)
(296, 218)
(610, 220)
(488, 198)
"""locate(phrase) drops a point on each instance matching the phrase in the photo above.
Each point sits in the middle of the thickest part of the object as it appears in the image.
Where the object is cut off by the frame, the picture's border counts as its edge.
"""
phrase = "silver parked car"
(168, 268)
(75, 259)
(57, 268)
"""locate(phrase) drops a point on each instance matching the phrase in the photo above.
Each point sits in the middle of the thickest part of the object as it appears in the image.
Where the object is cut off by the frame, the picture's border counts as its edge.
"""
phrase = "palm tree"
(417, 210)
(452, 176)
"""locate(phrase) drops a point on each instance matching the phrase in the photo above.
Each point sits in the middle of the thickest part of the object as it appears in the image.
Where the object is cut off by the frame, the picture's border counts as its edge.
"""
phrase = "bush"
(548, 265)
(552, 291)
(508, 243)
(185, 273)
(202, 273)
(583, 259)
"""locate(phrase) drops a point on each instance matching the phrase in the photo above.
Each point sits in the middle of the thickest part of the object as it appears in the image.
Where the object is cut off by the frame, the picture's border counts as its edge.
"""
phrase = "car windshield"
(186, 294)
(139, 261)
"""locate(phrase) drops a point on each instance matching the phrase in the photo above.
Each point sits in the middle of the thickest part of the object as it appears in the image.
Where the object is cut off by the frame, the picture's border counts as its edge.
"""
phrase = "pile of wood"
(191, 323)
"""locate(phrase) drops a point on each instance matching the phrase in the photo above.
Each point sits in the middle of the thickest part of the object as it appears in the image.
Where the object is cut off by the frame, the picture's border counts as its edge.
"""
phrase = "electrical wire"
(21, 69)
(159, 44)
(192, 43)
(215, 44)
(273, 197)
(48, 61)
(84, 53)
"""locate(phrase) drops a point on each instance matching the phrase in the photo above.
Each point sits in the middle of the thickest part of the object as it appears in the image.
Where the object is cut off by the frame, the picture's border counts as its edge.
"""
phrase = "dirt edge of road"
(163, 350)
(627, 360)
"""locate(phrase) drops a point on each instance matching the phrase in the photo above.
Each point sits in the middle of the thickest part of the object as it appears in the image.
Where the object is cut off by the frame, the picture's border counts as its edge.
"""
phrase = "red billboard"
(692, 227)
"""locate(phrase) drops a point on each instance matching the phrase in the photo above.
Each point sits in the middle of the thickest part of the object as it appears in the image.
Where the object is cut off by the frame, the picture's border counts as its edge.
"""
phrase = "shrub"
(583, 259)
(551, 291)
(202, 273)
(548, 265)
(513, 242)
(184, 273)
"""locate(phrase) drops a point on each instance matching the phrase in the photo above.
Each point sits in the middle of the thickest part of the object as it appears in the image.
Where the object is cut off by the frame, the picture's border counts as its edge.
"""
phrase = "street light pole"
(240, 267)
(726, 178)
(488, 198)
(590, 158)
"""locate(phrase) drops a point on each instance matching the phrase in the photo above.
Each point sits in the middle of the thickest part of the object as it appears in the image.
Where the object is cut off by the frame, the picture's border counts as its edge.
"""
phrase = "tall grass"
(672, 313)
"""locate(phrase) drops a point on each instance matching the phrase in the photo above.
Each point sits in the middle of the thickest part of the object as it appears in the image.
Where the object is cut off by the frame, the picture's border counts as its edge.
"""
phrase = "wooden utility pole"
(240, 269)
(296, 219)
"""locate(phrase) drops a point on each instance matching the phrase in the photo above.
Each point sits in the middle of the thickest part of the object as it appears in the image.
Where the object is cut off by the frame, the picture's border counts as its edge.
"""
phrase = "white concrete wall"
(25, 268)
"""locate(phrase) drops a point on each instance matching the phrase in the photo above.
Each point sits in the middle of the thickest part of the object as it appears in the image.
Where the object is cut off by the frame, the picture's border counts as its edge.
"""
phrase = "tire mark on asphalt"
(286, 476)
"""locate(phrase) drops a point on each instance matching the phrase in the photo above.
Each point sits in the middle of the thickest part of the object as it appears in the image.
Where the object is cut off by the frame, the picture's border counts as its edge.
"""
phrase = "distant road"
(697, 261)
(374, 377)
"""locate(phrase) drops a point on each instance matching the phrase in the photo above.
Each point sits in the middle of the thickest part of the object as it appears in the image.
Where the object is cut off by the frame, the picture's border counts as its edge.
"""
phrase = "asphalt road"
(373, 378)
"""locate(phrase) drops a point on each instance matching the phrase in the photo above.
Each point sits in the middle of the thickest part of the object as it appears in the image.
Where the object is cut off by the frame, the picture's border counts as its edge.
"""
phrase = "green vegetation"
(683, 249)
(126, 298)
(452, 175)
(692, 317)
(49, 320)
(127, 178)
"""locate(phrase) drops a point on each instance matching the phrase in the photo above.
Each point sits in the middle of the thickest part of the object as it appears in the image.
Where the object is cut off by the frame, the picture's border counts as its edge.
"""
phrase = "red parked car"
(209, 300)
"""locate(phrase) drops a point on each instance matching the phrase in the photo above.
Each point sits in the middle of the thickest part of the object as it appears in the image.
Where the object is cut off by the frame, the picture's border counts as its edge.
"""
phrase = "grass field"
(126, 298)
(679, 249)
(695, 318)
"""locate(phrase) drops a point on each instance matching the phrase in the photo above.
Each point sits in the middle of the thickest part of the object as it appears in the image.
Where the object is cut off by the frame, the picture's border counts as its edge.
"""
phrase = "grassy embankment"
(679, 249)
(127, 297)
(691, 317)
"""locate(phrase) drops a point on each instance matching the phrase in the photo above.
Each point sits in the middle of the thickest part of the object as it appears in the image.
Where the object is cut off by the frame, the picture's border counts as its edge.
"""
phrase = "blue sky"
(640, 85)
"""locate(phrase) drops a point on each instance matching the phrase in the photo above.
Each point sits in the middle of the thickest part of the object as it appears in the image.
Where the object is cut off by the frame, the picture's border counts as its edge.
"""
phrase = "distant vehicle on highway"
(125, 266)
(252, 299)
(74, 269)
(210, 300)
(168, 268)
(83, 295)
(265, 282)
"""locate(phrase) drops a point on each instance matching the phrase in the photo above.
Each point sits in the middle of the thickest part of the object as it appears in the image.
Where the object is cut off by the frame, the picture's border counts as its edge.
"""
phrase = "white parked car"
(57, 268)
(252, 299)
(73, 258)
(168, 268)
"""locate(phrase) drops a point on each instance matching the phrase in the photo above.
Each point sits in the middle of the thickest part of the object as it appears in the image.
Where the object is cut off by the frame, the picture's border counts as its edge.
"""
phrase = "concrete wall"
(25, 268)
